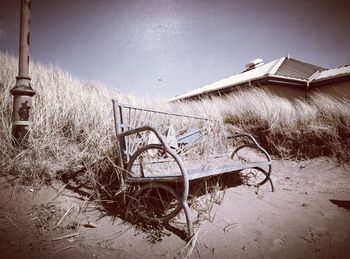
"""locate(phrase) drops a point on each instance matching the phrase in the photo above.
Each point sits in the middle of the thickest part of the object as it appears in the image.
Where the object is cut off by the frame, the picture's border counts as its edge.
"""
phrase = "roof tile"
(293, 68)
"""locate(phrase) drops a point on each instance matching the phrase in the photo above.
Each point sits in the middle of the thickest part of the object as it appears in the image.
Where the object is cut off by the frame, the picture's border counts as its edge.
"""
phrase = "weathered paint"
(22, 92)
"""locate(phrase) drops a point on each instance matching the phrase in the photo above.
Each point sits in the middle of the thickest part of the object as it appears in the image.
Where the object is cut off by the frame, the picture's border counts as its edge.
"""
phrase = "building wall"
(288, 92)
(341, 90)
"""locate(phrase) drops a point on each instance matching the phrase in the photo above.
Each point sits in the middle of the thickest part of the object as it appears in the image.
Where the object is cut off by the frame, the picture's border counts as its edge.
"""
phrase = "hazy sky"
(162, 48)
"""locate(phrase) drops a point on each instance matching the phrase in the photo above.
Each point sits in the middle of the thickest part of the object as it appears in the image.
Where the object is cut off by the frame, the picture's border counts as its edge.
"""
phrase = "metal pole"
(22, 91)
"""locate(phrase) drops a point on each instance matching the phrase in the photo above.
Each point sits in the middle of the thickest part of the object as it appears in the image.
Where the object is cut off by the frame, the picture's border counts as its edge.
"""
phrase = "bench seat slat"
(198, 173)
(201, 173)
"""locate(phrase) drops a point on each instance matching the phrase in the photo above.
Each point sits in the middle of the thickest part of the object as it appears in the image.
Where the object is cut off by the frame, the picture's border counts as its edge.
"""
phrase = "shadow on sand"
(113, 197)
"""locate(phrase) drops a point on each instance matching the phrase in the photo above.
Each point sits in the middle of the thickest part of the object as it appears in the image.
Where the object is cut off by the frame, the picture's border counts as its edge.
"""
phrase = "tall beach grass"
(292, 129)
(73, 122)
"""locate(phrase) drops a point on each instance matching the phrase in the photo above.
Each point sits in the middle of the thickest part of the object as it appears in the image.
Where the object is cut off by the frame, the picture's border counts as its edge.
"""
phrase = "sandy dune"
(306, 217)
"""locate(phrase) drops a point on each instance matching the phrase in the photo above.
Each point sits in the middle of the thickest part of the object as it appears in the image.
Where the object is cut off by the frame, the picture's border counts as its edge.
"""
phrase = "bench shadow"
(110, 194)
(155, 231)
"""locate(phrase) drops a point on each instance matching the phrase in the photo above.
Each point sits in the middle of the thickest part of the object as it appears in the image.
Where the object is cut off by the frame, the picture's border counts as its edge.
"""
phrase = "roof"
(284, 68)
(232, 80)
(293, 68)
(332, 73)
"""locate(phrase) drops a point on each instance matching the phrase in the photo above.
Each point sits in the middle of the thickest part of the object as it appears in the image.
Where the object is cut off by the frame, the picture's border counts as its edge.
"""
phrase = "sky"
(162, 48)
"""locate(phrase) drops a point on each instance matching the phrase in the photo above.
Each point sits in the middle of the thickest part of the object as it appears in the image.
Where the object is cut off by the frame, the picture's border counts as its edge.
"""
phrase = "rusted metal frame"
(121, 126)
(136, 118)
(165, 179)
(126, 125)
(115, 116)
(185, 178)
(246, 135)
(165, 146)
(158, 162)
(265, 180)
(132, 145)
(166, 113)
(132, 117)
(255, 145)
(252, 146)
(116, 113)
(145, 148)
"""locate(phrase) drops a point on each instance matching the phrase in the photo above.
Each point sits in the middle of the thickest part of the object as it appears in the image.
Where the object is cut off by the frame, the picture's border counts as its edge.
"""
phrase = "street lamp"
(22, 91)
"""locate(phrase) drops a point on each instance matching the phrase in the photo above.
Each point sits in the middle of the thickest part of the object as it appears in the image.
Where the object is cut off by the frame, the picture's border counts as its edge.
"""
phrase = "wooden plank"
(202, 173)
(198, 173)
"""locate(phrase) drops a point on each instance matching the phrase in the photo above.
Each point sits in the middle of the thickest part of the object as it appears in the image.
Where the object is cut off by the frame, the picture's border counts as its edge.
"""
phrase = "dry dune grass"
(73, 122)
(294, 130)
(287, 129)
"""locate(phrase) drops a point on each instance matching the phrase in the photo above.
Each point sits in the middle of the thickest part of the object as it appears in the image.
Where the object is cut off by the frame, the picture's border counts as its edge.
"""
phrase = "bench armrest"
(254, 144)
(167, 148)
(142, 129)
(244, 135)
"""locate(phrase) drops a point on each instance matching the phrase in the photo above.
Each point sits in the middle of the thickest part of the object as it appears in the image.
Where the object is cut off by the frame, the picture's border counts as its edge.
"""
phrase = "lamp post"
(22, 91)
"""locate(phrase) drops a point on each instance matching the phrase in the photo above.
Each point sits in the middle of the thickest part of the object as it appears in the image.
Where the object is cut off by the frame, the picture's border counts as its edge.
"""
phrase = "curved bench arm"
(254, 144)
(167, 148)
(245, 135)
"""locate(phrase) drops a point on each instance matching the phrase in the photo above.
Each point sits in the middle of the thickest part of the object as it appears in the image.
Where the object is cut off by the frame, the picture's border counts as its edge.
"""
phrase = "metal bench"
(163, 172)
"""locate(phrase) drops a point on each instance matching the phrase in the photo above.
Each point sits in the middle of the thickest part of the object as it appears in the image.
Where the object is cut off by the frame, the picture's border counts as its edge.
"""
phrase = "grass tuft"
(73, 122)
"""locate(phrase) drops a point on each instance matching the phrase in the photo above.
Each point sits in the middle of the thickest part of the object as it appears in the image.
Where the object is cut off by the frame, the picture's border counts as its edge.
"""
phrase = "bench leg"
(188, 218)
(263, 152)
(137, 200)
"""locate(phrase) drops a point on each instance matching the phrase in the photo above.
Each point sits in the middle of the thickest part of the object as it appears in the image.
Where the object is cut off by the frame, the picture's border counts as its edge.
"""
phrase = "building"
(286, 77)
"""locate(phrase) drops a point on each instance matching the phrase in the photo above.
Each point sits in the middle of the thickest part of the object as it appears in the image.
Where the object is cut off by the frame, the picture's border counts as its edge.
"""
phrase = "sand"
(306, 217)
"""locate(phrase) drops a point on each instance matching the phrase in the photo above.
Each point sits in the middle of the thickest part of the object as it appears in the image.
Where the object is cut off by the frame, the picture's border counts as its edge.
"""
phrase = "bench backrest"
(188, 128)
